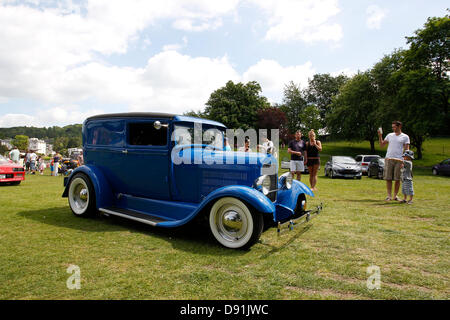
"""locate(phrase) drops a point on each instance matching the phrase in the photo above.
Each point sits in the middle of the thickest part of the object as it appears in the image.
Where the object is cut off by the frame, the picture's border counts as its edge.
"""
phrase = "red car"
(10, 172)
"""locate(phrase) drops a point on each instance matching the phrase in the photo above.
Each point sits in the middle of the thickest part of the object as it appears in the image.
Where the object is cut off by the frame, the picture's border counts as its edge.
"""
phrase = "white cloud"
(304, 20)
(180, 82)
(176, 46)
(273, 77)
(54, 52)
(375, 15)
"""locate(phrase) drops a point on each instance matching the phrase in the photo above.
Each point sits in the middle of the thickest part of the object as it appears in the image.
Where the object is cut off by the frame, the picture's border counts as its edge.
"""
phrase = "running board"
(132, 215)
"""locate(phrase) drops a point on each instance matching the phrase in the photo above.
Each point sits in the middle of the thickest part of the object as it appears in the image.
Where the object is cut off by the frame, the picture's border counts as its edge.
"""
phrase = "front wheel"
(81, 196)
(233, 224)
(435, 172)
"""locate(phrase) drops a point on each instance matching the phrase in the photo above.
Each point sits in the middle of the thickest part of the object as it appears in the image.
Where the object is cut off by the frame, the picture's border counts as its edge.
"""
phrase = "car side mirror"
(158, 125)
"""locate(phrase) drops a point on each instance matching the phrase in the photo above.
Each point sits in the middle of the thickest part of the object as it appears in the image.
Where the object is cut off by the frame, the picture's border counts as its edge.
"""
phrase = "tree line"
(61, 138)
(410, 85)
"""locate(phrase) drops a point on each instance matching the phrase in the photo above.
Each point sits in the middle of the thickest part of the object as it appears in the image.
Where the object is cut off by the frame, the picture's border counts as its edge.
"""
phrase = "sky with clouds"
(62, 61)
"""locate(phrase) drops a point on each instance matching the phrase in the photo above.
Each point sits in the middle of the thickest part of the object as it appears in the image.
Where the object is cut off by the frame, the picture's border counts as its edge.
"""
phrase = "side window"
(105, 133)
(358, 158)
(145, 134)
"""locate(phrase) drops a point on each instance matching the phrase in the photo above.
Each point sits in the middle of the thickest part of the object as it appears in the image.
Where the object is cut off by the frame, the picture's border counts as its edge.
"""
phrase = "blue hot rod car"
(156, 169)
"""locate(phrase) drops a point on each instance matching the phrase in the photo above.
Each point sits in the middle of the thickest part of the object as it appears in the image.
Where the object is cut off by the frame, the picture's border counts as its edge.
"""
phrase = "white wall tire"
(81, 196)
(233, 224)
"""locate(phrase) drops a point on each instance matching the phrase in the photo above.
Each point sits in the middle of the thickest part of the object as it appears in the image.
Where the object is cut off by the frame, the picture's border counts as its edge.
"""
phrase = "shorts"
(313, 162)
(297, 166)
(407, 188)
(33, 166)
(392, 169)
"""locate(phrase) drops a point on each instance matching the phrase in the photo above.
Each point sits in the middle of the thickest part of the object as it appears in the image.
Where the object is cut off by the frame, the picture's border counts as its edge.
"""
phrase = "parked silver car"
(344, 167)
(364, 159)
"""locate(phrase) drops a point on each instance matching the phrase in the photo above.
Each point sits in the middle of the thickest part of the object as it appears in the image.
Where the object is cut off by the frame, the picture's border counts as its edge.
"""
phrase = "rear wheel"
(81, 196)
(234, 224)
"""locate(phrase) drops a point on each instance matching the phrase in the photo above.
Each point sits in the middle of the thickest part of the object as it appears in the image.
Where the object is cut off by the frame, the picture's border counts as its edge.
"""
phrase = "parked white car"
(363, 160)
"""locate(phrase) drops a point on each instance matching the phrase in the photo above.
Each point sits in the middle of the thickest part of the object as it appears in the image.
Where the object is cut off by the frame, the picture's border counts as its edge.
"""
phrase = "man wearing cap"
(397, 142)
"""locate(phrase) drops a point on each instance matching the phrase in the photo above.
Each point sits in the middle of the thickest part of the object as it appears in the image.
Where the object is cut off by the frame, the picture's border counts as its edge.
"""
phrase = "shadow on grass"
(193, 237)
(275, 249)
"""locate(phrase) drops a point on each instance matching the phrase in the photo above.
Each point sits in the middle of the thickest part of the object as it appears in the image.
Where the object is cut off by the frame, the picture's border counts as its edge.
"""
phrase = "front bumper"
(12, 176)
(347, 174)
(306, 217)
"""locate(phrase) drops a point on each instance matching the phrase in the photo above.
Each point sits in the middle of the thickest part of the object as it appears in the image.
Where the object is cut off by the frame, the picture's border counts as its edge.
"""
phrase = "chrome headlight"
(264, 183)
(286, 180)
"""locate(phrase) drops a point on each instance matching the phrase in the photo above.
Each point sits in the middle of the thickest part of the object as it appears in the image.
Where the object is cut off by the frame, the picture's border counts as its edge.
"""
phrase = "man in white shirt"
(14, 155)
(397, 142)
(33, 158)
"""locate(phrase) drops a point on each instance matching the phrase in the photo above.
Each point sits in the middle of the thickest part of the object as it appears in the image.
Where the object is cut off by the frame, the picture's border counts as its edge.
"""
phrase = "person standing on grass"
(397, 142)
(56, 160)
(407, 177)
(14, 155)
(33, 158)
(312, 159)
(296, 148)
(27, 161)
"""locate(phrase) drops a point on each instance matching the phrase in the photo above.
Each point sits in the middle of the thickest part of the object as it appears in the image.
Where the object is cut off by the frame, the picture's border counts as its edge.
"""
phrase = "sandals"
(410, 202)
(397, 198)
(388, 199)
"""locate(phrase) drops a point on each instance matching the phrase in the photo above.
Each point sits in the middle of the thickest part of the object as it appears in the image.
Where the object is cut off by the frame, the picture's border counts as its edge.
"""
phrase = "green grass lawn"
(120, 259)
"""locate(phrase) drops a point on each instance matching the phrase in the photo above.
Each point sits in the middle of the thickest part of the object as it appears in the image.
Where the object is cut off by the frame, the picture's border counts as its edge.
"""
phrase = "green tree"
(74, 142)
(430, 50)
(354, 115)
(311, 118)
(294, 104)
(413, 85)
(236, 105)
(21, 142)
(321, 90)
(60, 145)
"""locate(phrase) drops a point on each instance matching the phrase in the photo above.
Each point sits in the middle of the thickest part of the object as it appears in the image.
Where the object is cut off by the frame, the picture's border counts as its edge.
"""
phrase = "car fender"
(287, 198)
(250, 195)
(103, 192)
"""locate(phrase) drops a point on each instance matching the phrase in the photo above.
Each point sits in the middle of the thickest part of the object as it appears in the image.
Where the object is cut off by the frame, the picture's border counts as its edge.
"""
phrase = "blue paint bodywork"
(143, 178)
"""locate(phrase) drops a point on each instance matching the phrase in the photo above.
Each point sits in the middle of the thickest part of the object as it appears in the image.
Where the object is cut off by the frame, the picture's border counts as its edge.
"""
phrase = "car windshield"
(370, 158)
(345, 160)
(3, 159)
(184, 135)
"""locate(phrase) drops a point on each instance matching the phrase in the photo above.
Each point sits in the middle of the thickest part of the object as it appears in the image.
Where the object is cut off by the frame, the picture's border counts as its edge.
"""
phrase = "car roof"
(133, 115)
(158, 115)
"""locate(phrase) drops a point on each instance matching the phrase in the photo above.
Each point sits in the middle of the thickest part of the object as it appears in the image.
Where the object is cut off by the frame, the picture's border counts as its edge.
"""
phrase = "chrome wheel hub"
(231, 222)
(78, 196)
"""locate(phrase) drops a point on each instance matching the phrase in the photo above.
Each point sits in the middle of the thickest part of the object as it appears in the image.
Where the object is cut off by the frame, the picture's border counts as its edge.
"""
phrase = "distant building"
(7, 143)
(38, 146)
